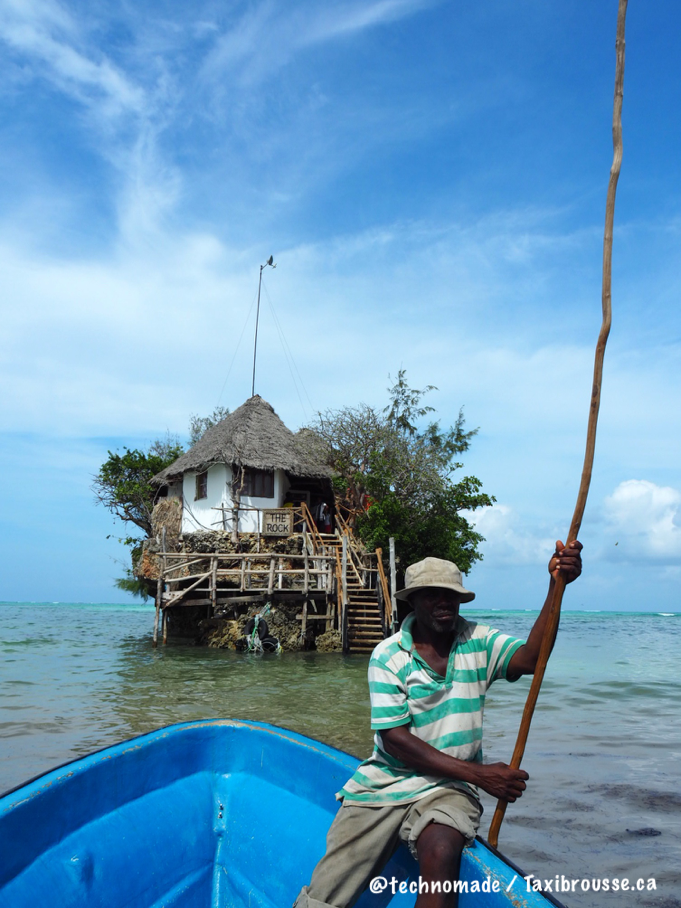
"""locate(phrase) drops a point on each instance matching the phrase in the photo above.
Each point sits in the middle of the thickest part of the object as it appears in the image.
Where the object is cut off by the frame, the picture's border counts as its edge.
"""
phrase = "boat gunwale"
(341, 757)
(196, 723)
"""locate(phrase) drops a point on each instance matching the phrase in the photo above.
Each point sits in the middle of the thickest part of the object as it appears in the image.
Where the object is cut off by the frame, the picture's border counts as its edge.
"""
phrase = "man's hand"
(566, 561)
(496, 779)
(500, 781)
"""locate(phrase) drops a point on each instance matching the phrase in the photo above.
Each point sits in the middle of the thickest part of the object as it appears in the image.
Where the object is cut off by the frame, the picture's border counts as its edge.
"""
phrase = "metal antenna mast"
(270, 261)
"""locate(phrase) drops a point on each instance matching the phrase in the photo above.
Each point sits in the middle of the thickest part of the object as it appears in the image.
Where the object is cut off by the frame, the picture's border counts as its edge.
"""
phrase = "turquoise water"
(603, 755)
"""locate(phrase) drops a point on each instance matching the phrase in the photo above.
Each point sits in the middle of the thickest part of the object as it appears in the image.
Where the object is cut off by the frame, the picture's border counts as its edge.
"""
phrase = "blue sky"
(430, 177)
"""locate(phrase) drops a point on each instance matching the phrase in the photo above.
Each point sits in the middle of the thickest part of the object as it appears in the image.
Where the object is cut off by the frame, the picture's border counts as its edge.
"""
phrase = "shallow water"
(603, 753)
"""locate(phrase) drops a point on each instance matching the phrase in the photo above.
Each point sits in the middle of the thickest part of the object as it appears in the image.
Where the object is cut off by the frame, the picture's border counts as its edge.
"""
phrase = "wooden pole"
(214, 584)
(344, 569)
(393, 583)
(235, 519)
(270, 580)
(159, 597)
(164, 563)
(559, 587)
(344, 593)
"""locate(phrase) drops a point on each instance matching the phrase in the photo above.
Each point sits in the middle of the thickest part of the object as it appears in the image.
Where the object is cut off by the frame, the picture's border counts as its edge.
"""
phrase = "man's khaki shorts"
(362, 839)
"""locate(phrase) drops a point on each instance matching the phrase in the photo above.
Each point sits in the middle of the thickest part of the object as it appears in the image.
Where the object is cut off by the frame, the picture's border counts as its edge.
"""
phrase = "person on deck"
(427, 685)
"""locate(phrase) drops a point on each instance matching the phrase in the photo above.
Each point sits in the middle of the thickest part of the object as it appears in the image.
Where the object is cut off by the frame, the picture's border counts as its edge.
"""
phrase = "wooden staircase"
(364, 621)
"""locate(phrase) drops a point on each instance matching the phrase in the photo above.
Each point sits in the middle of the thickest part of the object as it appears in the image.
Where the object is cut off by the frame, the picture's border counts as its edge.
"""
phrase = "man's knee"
(439, 850)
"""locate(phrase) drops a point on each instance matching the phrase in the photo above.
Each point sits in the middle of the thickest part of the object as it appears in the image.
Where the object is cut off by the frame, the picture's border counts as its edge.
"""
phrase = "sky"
(430, 176)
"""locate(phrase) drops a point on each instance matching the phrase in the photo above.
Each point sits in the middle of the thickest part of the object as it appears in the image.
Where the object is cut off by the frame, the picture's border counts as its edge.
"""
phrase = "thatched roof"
(252, 436)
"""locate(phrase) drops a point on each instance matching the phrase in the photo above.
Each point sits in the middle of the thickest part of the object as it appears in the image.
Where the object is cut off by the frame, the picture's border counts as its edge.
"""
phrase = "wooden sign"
(277, 523)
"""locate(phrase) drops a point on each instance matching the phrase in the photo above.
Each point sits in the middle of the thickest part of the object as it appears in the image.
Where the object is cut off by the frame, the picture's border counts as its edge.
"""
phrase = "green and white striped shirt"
(444, 712)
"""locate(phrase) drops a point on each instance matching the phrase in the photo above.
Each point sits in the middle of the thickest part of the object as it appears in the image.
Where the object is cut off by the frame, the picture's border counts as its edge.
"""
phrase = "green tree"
(123, 483)
(397, 479)
(199, 425)
(123, 486)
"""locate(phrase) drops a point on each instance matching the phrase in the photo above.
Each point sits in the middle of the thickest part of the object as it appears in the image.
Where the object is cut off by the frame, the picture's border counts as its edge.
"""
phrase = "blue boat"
(214, 814)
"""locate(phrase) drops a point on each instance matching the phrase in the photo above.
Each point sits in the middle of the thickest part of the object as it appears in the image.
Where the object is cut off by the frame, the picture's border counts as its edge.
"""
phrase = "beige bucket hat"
(434, 572)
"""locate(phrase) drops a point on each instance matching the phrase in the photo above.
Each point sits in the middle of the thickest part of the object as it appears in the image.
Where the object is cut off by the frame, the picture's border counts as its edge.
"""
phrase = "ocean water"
(604, 753)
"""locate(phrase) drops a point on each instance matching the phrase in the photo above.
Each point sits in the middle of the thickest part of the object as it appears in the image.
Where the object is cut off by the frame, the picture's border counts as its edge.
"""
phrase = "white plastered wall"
(200, 515)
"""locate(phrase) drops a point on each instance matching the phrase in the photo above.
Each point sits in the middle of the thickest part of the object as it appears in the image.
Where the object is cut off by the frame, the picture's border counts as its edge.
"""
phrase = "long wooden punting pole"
(559, 587)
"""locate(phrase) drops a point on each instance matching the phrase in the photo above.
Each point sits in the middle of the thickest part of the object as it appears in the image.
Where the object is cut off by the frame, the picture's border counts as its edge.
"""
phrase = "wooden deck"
(333, 570)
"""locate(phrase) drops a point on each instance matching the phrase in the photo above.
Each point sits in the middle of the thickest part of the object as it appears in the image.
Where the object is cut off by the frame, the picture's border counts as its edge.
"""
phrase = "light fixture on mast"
(270, 261)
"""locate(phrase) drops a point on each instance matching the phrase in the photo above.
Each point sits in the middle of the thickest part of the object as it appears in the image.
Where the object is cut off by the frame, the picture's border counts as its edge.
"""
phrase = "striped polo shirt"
(444, 712)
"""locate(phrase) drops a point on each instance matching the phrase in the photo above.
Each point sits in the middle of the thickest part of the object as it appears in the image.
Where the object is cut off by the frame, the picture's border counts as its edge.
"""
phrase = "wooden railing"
(355, 564)
(385, 590)
(242, 571)
(300, 516)
(341, 524)
(317, 540)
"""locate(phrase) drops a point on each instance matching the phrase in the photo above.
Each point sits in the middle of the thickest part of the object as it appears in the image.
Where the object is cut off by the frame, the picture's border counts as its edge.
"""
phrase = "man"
(427, 684)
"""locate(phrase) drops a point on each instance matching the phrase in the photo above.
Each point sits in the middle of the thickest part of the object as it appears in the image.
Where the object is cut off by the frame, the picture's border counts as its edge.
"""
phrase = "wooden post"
(235, 523)
(393, 584)
(344, 593)
(164, 560)
(280, 580)
(159, 599)
(214, 584)
(304, 627)
(329, 593)
(381, 607)
(270, 581)
(242, 575)
(559, 587)
(344, 570)
(306, 580)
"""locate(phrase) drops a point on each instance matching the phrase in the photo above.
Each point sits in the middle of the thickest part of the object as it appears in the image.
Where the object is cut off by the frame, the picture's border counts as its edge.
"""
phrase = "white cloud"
(123, 334)
(344, 19)
(645, 520)
(125, 105)
(49, 36)
(266, 38)
(507, 541)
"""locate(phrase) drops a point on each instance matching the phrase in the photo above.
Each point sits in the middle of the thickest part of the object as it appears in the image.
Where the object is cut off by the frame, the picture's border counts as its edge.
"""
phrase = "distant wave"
(667, 614)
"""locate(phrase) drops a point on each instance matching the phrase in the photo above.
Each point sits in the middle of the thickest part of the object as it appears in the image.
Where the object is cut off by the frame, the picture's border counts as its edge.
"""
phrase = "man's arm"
(566, 561)
(497, 779)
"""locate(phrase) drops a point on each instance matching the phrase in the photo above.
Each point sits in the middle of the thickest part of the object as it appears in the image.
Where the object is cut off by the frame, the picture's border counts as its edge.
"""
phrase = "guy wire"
(289, 355)
(241, 337)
